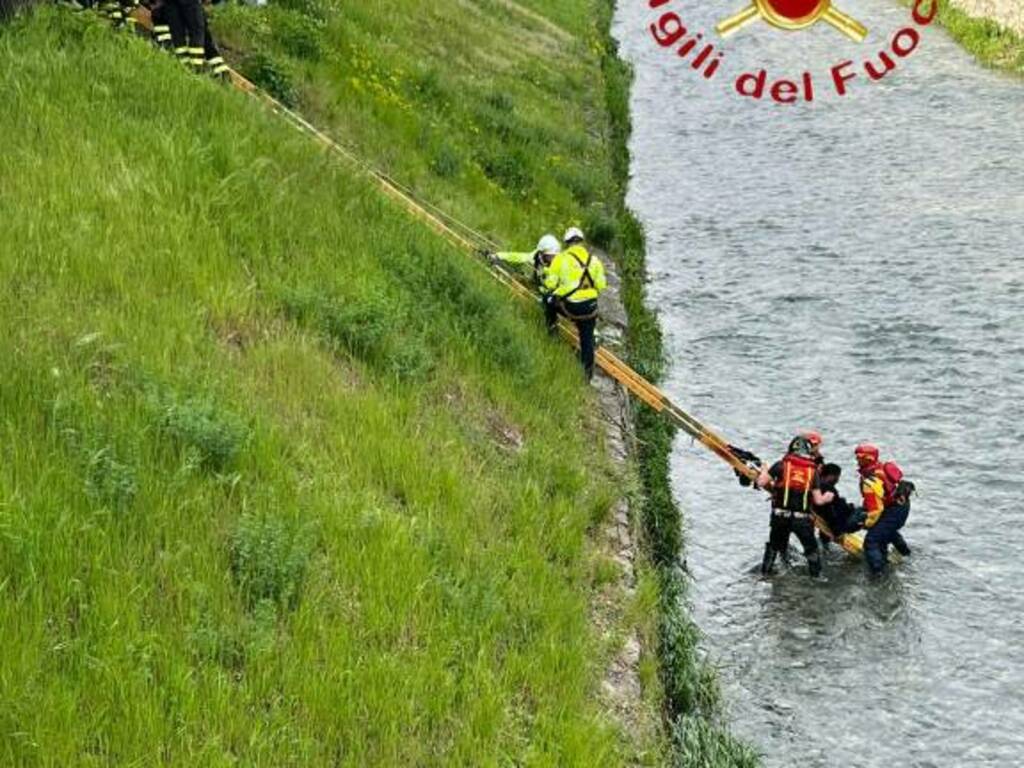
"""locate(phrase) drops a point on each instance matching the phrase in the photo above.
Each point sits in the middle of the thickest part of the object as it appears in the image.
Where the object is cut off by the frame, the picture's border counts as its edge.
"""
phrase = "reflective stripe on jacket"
(576, 275)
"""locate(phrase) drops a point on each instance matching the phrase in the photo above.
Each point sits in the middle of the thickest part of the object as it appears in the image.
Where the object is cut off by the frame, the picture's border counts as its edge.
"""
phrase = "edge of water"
(692, 701)
(992, 44)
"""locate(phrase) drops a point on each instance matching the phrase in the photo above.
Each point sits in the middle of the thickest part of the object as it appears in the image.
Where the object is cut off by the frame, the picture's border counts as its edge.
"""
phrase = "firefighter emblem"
(793, 15)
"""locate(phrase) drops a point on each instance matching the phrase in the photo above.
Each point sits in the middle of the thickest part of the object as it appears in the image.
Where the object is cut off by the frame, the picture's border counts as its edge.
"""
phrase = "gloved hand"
(857, 518)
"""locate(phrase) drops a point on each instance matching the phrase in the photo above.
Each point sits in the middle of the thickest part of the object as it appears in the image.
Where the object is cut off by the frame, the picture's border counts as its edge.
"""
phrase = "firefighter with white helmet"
(539, 258)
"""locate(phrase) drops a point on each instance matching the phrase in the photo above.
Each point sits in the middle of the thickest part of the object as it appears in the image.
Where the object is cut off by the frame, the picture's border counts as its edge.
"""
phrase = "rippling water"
(855, 266)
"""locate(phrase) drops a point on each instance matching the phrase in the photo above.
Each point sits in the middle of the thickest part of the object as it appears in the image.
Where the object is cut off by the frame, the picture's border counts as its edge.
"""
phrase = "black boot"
(768, 561)
(814, 564)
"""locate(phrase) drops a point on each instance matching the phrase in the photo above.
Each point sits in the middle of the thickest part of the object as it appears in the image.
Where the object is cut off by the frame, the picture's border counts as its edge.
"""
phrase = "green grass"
(530, 146)
(258, 504)
(992, 44)
(486, 108)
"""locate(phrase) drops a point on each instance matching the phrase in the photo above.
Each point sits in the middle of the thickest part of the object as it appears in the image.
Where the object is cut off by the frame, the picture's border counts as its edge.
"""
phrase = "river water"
(854, 265)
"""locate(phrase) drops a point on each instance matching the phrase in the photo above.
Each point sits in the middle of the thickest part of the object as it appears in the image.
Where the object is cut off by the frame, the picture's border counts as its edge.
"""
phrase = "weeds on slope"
(531, 140)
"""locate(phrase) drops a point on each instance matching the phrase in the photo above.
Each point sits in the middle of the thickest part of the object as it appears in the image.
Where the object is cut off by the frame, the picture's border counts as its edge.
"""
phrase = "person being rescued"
(838, 514)
(793, 483)
(886, 506)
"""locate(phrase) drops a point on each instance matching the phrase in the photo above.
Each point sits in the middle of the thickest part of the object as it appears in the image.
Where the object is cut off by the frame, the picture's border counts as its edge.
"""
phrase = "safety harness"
(586, 280)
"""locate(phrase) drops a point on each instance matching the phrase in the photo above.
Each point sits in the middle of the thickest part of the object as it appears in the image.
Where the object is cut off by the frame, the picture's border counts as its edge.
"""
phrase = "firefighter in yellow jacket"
(574, 281)
(538, 259)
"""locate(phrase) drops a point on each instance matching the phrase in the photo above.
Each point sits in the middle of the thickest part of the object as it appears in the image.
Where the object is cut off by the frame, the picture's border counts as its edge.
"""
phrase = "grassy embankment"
(533, 139)
(992, 44)
(284, 480)
(526, 143)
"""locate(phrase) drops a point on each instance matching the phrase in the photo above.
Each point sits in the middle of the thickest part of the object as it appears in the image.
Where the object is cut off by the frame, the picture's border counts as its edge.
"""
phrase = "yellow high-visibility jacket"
(872, 490)
(511, 257)
(575, 275)
(530, 258)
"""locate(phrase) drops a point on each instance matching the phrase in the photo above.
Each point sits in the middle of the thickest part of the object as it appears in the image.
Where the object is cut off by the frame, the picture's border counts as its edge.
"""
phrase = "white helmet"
(549, 245)
(572, 234)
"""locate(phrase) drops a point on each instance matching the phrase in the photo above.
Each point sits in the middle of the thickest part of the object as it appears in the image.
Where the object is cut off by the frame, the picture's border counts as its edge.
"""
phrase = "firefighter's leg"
(215, 63)
(778, 539)
(551, 313)
(900, 544)
(585, 330)
(194, 17)
(175, 18)
(804, 530)
(876, 545)
(162, 27)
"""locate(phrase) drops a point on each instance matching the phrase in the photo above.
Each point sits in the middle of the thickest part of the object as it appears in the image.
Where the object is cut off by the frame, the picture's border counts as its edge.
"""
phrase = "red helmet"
(866, 453)
(813, 437)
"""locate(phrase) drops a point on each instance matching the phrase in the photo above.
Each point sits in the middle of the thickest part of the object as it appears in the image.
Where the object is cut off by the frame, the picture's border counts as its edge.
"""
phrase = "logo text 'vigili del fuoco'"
(669, 31)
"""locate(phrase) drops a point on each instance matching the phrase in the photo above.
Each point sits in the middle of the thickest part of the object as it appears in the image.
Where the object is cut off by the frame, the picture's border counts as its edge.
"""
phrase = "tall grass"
(254, 508)
(992, 44)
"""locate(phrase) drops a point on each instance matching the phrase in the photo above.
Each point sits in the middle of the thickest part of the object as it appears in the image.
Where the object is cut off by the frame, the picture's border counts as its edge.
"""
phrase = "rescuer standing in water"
(886, 506)
(792, 482)
(575, 279)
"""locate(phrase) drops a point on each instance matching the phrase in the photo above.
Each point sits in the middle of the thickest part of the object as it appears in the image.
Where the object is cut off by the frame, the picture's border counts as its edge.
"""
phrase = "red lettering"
(757, 81)
(905, 49)
(713, 66)
(808, 87)
(688, 46)
(919, 17)
(841, 79)
(887, 62)
(702, 56)
(784, 92)
(669, 37)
